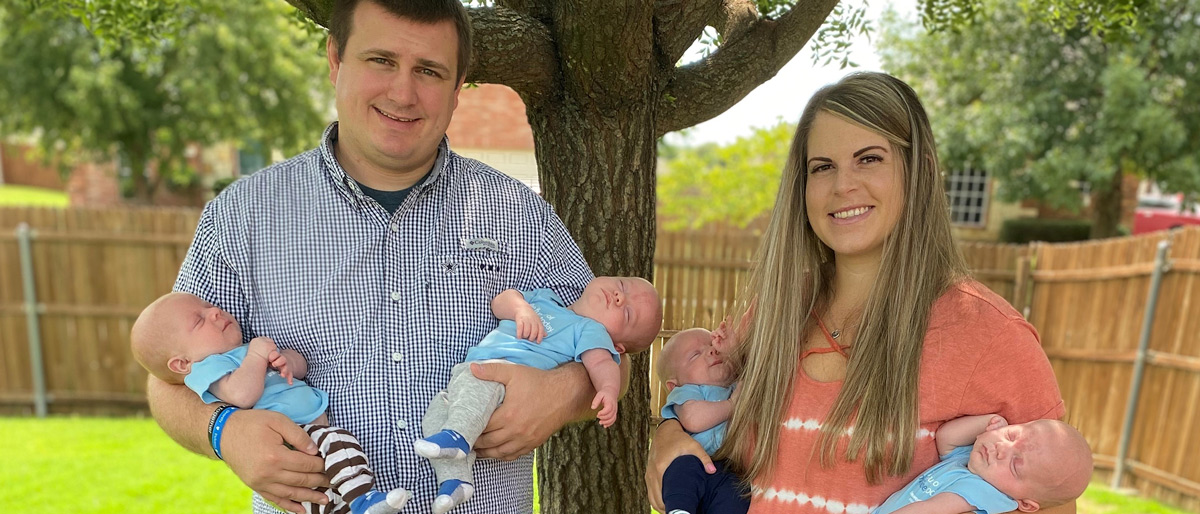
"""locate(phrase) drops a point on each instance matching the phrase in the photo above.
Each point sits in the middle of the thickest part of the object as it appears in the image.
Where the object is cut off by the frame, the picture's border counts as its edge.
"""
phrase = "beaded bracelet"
(216, 425)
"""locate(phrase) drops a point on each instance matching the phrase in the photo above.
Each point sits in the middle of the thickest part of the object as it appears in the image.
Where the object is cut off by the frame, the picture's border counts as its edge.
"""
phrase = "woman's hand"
(670, 442)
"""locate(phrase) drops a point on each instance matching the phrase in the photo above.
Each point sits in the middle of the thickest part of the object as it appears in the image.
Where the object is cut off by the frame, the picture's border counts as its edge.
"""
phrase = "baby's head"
(628, 307)
(1039, 464)
(689, 358)
(178, 330)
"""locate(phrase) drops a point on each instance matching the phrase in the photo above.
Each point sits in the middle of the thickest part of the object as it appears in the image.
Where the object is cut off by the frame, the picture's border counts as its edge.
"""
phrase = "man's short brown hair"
(341, 22)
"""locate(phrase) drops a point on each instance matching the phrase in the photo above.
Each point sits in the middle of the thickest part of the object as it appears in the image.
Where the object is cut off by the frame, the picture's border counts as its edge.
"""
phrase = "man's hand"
(669, 443)
(528, 416)
(607, 403)
(253, 447)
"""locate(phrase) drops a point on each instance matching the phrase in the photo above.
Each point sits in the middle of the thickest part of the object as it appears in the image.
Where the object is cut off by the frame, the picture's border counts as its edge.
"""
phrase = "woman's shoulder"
(970, 301)
(969, 316)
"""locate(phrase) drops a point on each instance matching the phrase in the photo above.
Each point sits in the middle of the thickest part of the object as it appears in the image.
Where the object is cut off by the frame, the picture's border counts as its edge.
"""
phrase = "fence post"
(24, 235)
(1023, 289)
(1139, 363)
(1021, 286)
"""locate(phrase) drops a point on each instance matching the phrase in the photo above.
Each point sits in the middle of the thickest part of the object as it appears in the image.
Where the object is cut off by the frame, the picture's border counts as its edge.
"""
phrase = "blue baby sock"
(375, 502)
(446, 444)
(451, 494)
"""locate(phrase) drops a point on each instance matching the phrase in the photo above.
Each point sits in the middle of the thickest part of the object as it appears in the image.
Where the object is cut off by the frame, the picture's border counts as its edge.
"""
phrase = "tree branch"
(316, 10)
(678, 23)
(514, 50)
(736, 17)
(536, 9)
(702, 90)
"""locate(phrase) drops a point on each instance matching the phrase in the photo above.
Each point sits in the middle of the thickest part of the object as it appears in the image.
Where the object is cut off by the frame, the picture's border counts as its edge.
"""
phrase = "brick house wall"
(490, 116)
(490, 125)
(21, 167)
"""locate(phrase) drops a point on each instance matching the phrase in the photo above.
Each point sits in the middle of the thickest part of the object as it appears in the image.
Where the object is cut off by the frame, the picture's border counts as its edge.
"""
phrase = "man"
(375, 256)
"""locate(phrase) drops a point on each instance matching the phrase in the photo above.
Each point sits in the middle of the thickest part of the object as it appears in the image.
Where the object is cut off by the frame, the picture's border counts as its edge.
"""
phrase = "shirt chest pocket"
(459, 288)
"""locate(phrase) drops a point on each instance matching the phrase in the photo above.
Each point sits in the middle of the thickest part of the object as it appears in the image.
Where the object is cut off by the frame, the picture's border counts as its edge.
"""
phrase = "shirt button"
(396, 296)
(395, 227)
(402, 424)
(397, 357)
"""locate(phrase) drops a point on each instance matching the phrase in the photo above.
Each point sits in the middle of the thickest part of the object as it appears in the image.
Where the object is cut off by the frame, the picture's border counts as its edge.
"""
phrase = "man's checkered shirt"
(382, 306)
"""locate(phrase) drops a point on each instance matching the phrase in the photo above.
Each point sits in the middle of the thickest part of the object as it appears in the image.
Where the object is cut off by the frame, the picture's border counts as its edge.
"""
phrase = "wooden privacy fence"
(1121, 330)
(84, 276)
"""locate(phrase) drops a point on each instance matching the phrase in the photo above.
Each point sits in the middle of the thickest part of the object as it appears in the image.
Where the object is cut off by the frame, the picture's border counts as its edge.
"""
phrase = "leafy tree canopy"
(153, 19)
(734, 183)
(1047, 110)
(229, 71)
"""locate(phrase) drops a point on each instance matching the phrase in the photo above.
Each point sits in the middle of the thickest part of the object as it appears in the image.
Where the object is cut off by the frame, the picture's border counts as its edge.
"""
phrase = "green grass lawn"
(103, 466)
(25, 195)
(128, 466)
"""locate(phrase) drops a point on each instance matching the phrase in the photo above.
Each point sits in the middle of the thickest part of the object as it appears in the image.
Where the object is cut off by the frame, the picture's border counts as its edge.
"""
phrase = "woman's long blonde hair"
(793, 279)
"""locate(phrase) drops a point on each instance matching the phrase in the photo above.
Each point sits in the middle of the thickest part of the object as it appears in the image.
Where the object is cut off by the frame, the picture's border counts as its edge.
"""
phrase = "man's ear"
(1027, 505)
(672, 384)
(335, 60)
(179, 365)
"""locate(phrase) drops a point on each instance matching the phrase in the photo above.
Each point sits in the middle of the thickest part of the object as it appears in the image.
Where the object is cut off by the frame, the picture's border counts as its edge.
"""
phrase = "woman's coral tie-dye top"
(980, 357)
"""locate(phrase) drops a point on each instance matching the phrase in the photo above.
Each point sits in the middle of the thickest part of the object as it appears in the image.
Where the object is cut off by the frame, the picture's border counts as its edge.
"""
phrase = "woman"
(867, 332)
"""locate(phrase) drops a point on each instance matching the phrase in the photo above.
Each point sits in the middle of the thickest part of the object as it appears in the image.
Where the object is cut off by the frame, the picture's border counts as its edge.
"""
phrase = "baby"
(614, 315)
(701, 396)
(989, 466)
(182, 339)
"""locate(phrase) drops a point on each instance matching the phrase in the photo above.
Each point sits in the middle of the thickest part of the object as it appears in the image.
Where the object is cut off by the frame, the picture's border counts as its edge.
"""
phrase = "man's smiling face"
(396, 91)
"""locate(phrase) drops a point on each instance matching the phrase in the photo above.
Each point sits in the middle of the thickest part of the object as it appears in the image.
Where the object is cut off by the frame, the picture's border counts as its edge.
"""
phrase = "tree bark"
(1106, 208)
(143, 188)
(585, 468)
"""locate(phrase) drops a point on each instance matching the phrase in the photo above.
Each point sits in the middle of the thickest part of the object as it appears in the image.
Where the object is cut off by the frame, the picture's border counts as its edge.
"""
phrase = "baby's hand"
(529, 325)
(280, 363)
(608, 408)
(263, 347)
(997, 421)
(720, 336)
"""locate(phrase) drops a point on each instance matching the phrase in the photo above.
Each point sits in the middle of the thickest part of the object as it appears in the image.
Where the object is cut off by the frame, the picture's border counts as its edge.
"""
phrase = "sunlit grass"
(111, 466)
(129, 466)
(103, 466)
(1099, 499)
(11, 196)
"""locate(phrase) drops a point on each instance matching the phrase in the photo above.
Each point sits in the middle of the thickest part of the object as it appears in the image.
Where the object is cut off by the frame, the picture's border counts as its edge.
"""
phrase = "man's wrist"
(216, 426)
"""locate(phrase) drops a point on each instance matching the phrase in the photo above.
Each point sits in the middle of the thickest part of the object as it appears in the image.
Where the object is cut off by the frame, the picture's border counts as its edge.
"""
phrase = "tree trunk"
(142, 190)
(595, 168)
(1106, 208)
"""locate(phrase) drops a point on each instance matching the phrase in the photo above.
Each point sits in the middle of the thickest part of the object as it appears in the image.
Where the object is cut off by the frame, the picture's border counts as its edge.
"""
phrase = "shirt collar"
(346, 185)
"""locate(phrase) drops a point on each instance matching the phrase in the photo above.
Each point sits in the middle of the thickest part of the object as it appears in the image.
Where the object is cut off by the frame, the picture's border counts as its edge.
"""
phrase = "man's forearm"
(575, 377)
(181, 414)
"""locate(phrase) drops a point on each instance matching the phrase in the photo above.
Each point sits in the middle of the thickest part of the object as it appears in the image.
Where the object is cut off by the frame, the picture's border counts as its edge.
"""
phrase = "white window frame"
(969, 194)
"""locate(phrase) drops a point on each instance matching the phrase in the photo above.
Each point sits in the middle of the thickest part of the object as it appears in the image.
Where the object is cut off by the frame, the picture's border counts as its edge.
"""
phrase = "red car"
(1162, 213)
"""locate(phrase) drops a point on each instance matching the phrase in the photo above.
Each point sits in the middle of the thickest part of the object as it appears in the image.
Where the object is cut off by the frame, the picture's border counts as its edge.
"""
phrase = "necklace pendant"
(835, 333)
